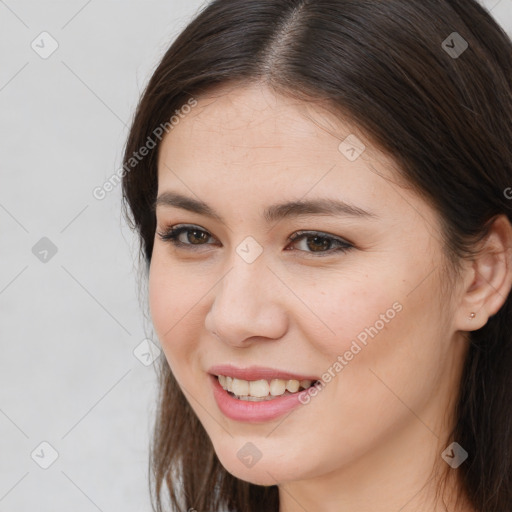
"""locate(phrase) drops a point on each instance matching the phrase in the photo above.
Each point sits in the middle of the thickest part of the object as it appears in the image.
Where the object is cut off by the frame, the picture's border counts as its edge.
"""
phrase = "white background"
(68, 327)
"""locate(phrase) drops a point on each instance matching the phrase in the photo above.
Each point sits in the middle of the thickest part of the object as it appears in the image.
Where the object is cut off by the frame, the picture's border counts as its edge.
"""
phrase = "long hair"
(430, 83)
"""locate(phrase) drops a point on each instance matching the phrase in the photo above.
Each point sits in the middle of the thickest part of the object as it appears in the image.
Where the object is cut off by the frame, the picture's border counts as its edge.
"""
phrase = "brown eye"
(185, 236)
(313, 242)
(320, 243)
(196, 236)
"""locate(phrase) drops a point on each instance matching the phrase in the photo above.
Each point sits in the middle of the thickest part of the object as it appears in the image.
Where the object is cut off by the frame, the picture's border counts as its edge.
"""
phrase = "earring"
(472, 315)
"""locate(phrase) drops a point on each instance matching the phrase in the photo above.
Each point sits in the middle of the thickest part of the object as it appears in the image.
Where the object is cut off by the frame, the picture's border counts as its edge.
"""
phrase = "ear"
(488, 277)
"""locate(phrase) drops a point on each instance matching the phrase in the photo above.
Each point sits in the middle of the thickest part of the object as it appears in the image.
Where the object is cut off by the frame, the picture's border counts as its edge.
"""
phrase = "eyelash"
(172, 233)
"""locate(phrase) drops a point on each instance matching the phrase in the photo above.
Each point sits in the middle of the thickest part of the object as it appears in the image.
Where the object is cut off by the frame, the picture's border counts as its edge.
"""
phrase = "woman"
(322, 194)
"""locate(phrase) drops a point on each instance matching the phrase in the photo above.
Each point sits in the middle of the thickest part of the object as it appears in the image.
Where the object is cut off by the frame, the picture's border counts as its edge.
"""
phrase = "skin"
(370, 439)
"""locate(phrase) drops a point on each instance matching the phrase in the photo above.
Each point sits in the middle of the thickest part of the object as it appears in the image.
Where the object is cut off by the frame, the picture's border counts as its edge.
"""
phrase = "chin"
(260, 474)
(270, 470)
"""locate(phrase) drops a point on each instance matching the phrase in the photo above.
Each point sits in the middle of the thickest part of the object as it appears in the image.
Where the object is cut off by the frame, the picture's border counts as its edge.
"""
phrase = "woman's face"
(356, 303)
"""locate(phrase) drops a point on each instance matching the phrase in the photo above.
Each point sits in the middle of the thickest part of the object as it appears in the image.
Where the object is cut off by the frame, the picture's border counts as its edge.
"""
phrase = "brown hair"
(390, 68)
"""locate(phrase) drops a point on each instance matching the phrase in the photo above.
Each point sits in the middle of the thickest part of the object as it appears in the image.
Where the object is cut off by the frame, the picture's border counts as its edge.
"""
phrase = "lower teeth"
(258, 399)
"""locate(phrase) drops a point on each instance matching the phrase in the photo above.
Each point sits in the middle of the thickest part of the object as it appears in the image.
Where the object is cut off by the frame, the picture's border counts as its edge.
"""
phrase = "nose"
(248, 305)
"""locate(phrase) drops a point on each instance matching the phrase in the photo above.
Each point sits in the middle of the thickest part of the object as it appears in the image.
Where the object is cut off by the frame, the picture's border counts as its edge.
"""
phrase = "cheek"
(160, 295)
(174, 300)
(369, 327)
(345, 310)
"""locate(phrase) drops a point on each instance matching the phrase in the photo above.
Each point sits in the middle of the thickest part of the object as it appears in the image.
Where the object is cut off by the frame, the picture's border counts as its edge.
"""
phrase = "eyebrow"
(273, 213)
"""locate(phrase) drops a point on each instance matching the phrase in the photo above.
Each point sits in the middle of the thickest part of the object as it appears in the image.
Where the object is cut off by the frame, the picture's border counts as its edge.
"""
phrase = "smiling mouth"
(261, 390)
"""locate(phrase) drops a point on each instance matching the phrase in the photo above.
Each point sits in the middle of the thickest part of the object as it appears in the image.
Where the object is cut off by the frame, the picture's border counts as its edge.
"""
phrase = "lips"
(258, 373)
(256, 411)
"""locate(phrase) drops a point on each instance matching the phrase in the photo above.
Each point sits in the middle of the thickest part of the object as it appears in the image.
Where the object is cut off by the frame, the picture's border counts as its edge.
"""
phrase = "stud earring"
(472, 315)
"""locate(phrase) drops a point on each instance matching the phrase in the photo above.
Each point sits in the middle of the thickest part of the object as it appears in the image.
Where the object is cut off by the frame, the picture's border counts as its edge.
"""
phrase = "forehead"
(255, 117)
(252, 125)
(248, 142)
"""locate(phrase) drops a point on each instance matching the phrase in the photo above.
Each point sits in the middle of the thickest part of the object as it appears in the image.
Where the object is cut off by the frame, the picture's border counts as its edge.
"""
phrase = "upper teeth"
(261, 388)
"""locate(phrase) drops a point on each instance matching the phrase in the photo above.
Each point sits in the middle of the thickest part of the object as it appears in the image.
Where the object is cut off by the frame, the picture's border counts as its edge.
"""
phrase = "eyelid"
(323, 234)
(172, 232)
